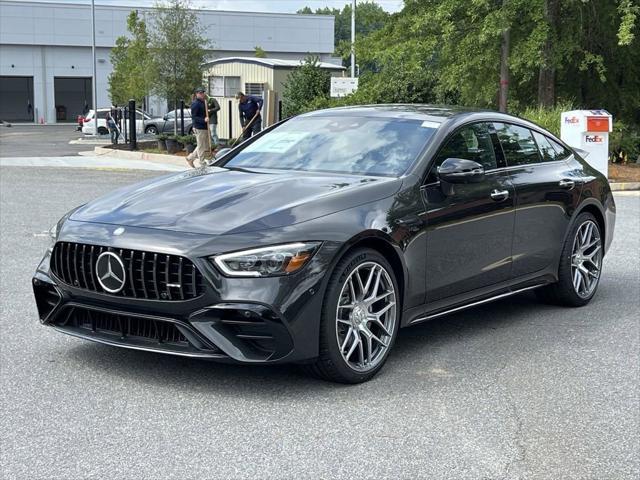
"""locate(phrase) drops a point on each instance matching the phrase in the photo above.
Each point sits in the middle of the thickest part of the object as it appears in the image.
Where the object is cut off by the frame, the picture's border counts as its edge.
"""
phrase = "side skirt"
(473, 304)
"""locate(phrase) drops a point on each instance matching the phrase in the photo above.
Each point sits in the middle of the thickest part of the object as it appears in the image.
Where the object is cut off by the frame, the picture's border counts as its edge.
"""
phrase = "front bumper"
(246, 320)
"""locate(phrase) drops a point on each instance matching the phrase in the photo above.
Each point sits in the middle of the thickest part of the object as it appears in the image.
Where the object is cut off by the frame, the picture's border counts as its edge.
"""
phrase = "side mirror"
(165, 118)
(459, 170)
(221, 153)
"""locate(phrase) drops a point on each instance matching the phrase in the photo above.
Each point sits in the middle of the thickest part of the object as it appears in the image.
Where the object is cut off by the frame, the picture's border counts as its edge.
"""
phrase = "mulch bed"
(624, 173)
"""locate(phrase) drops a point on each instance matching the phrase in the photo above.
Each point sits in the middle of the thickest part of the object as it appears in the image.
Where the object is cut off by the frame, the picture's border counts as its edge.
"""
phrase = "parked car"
(316, 240)
(166, 123)
(89, 123)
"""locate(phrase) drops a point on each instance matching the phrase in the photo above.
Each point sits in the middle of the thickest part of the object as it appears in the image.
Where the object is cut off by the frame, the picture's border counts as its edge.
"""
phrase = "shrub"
(547, 118)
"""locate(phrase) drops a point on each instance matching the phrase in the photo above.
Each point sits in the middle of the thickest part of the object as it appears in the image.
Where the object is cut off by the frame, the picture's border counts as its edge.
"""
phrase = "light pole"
(94, 89)
(353, 39)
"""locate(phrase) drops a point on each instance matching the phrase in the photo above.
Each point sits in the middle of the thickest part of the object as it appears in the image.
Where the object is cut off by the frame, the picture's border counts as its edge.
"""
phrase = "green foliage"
(625, 138)
(162, 136)
(133, 66)
(547, 118)
(178, 48)
(187, 139)
(370, 17)
(259, 52)
(448, 51)
(305, 83)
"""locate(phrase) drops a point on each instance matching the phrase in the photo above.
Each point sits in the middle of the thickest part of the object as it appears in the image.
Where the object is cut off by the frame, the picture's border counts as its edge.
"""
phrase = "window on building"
(216, 86)
(256, 89)
(220, 86)
(231, 86)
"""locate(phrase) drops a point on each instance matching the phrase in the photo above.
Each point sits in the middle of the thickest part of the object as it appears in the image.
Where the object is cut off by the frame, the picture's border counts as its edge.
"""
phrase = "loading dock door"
(16, 99)
(72, 97)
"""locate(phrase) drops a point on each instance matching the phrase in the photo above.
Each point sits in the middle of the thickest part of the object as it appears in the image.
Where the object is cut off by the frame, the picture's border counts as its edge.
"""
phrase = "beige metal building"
(262, 77)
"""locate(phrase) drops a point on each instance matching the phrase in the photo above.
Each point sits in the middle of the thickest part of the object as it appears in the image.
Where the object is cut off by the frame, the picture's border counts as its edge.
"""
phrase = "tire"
(566, 291)
(151, 130)
(355, 326)
(103, 131)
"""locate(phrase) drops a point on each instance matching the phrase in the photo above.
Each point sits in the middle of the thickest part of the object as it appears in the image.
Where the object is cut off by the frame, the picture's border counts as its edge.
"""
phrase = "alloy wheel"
(366, 316)
(586, 259)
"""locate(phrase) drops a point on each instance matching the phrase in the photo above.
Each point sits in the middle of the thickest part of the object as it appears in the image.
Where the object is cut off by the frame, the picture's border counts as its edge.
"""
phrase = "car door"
(169, 120)
(469, 226)
(545, 193)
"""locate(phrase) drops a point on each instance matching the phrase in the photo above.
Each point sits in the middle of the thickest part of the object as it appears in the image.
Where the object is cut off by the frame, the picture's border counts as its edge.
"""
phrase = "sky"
(283, 6)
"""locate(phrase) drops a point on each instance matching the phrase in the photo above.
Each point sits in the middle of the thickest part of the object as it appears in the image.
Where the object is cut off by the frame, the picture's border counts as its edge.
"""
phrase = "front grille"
(149, 275)
(122, 326)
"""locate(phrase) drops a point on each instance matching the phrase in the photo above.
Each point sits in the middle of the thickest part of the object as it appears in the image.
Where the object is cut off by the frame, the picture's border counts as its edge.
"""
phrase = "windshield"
(356, 145)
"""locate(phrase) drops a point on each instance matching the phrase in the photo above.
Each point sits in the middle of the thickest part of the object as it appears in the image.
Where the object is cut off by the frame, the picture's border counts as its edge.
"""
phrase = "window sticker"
(277, 142)
(430, 124)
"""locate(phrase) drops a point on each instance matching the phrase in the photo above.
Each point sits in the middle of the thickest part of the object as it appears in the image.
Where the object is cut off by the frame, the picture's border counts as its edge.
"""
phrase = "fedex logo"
(594, 138)
(571, 120)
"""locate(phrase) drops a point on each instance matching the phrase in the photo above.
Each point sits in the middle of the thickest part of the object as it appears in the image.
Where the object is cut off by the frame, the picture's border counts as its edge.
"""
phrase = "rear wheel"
(580, 265)
(102, 131)
(360, 318)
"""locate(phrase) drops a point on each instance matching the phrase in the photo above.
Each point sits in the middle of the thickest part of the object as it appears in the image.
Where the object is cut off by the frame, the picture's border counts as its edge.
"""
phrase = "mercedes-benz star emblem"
(111, 272)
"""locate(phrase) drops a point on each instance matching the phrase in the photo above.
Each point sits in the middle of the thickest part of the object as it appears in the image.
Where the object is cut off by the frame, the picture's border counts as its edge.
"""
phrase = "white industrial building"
(46, 61)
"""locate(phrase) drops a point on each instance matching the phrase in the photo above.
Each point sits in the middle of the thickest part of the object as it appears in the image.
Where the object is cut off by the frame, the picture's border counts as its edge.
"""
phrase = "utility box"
(589, 131)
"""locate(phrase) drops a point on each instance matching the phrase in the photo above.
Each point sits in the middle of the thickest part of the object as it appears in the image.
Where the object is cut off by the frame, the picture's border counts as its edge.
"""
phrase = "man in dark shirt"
(199, 123)
(249, 107)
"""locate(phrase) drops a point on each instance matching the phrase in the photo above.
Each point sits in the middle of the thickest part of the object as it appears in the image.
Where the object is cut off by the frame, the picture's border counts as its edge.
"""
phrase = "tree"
(259, 52)
(133, 67)
(178, 50)
(370, 17)
(304, 84)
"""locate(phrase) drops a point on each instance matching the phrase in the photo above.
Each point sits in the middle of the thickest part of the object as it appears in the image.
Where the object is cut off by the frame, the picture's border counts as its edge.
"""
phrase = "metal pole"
(133, 144)
(353, 39)
(93, 54)
(182, 117)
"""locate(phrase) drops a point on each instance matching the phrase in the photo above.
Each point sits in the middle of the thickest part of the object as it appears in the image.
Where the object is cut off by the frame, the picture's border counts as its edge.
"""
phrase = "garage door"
(72, 97)
(16, 99)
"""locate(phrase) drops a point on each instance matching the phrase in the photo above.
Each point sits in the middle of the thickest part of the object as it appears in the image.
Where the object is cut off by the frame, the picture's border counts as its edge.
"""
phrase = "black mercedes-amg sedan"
(315, 241)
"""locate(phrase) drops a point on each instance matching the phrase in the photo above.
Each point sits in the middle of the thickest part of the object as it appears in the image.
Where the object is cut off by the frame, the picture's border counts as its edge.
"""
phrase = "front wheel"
(580, 265)
(151, 130)
(360, 318)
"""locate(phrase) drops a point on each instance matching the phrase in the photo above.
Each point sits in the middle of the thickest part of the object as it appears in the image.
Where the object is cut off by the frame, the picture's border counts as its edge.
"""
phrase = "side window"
(472, 142)
(517, 144)
(545, 148)
(561, 152)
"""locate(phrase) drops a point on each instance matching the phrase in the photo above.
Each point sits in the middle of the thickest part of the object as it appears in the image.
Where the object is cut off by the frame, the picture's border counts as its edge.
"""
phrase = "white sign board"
(343, 86)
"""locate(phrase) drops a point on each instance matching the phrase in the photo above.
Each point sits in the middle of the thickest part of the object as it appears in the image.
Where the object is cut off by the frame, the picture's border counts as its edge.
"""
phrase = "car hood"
(219, 200)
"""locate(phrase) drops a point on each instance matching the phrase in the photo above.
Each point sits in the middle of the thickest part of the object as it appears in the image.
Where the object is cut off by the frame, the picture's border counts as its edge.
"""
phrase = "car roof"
(437, 113)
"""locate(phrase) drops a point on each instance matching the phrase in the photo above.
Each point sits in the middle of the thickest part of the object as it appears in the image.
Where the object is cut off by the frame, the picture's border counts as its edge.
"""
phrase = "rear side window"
(547, 152)
(561, 152)
(518, 144)
(550, 150)
(472, 142)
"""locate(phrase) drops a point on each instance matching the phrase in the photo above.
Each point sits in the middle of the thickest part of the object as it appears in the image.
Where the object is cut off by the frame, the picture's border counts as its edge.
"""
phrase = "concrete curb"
(622, 186)
(150, 157)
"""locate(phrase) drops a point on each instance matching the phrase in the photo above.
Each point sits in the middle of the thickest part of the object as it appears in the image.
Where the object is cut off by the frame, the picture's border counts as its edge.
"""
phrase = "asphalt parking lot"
(510, 390)
(40, 140)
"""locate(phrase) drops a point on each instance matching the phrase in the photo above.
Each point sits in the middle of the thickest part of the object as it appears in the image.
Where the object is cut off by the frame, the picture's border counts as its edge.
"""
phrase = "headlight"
(55, 229)
(268, 261)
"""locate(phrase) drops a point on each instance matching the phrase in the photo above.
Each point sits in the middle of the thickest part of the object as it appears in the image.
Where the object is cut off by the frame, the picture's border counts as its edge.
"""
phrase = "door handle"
(499, 195)
(568, 184)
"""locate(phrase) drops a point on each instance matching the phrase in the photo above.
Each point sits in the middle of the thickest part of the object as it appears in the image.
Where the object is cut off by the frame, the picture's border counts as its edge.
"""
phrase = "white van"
(89, 123)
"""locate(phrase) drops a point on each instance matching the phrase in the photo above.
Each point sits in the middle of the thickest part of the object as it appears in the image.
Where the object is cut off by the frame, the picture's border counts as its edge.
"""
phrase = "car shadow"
(179, 373)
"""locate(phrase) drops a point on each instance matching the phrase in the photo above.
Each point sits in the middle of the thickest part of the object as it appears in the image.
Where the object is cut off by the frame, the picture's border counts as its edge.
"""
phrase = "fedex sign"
(594, 139)
(573, 120)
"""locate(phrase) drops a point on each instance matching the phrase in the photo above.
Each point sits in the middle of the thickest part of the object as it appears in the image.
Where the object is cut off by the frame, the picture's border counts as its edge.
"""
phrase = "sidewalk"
(93, 161)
